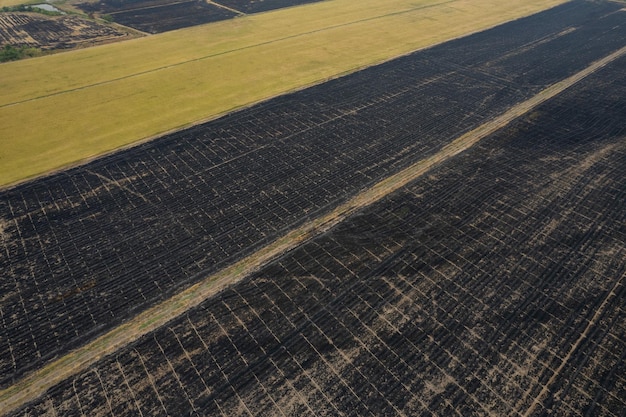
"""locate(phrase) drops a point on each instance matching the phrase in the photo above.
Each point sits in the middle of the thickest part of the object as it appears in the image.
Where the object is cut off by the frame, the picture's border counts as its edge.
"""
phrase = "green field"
(63, 109)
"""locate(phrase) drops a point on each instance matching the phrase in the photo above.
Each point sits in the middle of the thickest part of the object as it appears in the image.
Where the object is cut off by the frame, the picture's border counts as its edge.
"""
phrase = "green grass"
(63, 109)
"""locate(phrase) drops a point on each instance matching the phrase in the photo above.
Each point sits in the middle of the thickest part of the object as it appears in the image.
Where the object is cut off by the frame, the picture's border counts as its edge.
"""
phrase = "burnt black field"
(462, 294)
(171, 16)
(157, 16)
(258, 6)
(90, 247)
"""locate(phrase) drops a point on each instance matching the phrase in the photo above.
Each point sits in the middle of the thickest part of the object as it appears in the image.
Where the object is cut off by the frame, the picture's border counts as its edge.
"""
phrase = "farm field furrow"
(86, 249)
(493, 286)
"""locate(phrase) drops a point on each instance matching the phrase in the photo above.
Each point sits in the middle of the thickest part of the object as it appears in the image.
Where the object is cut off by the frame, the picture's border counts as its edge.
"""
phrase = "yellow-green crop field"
(63, 109)
(4, 3)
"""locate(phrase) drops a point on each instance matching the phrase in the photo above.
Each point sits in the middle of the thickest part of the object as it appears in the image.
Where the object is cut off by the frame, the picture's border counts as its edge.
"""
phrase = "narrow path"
(36, 384)
(240, 13)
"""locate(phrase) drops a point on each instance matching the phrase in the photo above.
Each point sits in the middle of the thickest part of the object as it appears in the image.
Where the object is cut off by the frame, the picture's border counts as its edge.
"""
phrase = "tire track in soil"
(37, 383)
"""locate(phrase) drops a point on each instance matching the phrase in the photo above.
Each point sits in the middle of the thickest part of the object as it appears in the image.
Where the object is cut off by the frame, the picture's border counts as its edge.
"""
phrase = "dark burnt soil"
(463, 294)
(86, 249)
(155, 16)
(257, 6)
(163, 18)
(112, 6)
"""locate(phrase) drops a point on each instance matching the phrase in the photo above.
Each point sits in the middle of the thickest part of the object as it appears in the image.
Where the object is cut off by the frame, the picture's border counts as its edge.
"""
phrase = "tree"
(9, 53)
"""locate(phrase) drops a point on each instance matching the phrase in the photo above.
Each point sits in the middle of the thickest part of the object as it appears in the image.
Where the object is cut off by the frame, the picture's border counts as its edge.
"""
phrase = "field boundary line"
(238, 12)
(38, 382)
